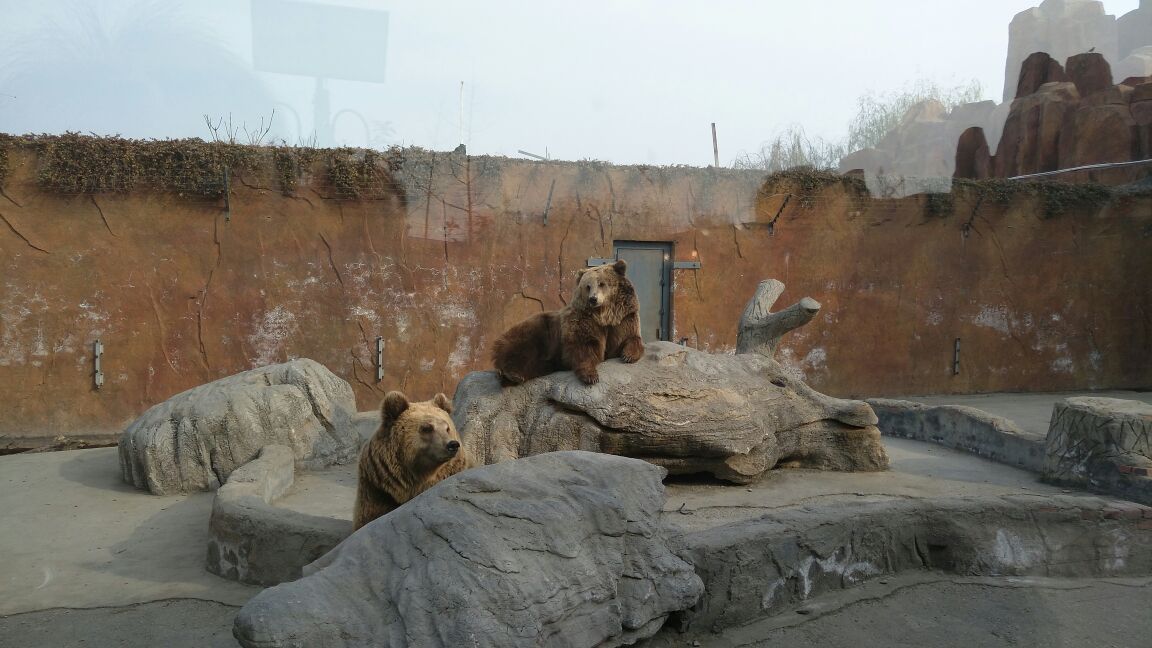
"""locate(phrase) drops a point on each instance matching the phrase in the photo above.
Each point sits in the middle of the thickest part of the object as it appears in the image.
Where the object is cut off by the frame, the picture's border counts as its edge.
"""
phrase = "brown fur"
(411, 451)
(601, 322)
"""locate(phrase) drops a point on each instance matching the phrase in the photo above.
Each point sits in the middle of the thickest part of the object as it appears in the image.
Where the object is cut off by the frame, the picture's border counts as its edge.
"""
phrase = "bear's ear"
(620, 266)
(393, 406)
(441, 401)
(580, 272)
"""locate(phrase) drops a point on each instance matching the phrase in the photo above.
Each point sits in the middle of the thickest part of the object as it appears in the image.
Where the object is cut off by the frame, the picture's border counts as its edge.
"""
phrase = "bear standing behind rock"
(601, 322)
(415, 447)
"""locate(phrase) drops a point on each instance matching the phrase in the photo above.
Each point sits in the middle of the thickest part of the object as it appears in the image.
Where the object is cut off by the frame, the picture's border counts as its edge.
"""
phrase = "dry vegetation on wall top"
(80, 164)
(805, 183)
(1055, 198)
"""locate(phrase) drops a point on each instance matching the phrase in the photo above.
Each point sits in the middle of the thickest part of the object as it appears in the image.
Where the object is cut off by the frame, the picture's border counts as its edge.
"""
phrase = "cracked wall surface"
(183, 291)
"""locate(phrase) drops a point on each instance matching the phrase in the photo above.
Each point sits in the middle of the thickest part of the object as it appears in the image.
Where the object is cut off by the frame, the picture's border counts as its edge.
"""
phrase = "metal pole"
(956, 358)
(715, 147)
(461, 112)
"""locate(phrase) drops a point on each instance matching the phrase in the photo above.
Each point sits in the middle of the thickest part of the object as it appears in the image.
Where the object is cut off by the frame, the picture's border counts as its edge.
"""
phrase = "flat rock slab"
(194, 440)
(918, 471)
(732, 416)
(559, 549)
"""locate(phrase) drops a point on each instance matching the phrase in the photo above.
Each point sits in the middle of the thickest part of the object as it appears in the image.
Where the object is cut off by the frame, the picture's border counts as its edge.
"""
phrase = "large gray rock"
(195, 439)
(563, 549)
(733, 416)
(1101, 443)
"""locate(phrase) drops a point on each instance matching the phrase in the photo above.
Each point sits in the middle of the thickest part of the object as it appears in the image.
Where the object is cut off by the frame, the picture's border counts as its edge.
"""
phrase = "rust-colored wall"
(182, 292)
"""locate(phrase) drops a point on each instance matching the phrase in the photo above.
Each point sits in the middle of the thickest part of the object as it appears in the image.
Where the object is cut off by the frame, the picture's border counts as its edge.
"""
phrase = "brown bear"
(415, 447)
(602, 321)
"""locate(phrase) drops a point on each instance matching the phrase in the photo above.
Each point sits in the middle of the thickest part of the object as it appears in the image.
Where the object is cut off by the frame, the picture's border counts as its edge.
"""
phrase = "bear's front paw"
(589, 376)
(632, 351)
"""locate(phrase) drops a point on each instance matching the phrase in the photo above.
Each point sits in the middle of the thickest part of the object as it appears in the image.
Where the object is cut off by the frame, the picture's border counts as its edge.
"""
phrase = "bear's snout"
(453, 447)
(593, 300)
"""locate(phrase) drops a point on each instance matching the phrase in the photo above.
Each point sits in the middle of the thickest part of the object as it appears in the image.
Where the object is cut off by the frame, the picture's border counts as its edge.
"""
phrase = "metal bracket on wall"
(596, 261)
(97, 354)
(379, 358)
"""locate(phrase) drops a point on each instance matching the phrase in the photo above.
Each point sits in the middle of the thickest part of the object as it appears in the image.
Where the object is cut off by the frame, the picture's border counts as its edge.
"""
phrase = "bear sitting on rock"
(415, 447)
(602, 321)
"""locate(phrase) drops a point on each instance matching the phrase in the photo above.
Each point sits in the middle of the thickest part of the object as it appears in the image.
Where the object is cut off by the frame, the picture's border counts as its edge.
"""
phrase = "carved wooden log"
(760, 330)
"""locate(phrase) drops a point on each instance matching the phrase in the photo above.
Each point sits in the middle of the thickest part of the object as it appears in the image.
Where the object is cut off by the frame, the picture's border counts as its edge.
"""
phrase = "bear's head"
(598, 286)
(422, 434)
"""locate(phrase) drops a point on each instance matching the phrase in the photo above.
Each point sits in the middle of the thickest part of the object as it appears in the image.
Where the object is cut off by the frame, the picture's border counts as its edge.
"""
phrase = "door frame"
(669, 248)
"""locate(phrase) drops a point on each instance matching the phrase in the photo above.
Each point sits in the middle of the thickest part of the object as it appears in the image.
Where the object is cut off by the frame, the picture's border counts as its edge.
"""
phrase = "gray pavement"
(170, 623)
(74, 535)
(933, 610)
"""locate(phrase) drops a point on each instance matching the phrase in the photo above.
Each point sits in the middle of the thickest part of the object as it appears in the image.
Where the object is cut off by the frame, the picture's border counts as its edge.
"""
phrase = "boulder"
(732, 416)
(1030, 142)
(1090, 72)
(1038, 69)
(1101, 133)
(1101, 443)
(563, 549)
(1142, 92)
(973, 160)
(194, 440)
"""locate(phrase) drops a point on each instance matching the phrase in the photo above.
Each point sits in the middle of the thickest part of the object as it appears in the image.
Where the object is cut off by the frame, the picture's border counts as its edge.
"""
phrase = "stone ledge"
(254, 542)
(763, 567)
(960, 428)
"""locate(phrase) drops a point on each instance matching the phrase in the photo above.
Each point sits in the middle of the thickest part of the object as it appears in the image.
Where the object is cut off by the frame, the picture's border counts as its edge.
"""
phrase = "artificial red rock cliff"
(1066, 117)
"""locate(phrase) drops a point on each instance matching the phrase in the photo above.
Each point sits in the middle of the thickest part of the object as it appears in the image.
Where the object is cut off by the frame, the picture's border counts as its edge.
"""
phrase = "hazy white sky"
(635, 81)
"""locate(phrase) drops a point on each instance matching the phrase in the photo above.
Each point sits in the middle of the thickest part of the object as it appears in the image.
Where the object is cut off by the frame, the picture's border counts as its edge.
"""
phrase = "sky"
(626, 81)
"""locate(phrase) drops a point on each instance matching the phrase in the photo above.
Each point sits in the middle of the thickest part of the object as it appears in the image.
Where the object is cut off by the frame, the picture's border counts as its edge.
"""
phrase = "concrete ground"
(90, 561)
(1030, 412)
(74, 535)
(929, 609)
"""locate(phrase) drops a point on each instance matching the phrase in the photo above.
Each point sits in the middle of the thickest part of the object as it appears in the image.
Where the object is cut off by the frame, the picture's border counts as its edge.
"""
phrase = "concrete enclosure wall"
(182, 290)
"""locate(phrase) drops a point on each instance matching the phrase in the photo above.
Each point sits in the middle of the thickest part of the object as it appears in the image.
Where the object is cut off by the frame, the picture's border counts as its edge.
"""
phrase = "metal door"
(650, 270)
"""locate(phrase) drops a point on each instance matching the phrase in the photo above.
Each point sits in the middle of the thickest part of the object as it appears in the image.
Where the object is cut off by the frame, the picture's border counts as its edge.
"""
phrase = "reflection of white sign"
(317, 40)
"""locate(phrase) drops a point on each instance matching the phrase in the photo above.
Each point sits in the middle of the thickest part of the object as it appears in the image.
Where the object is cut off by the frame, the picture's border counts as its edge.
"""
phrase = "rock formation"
(1042, 124)
(195, 439)
(1104, 444)
(1068, 118)
(732, 416)
(561, 549)
(1061, 28)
